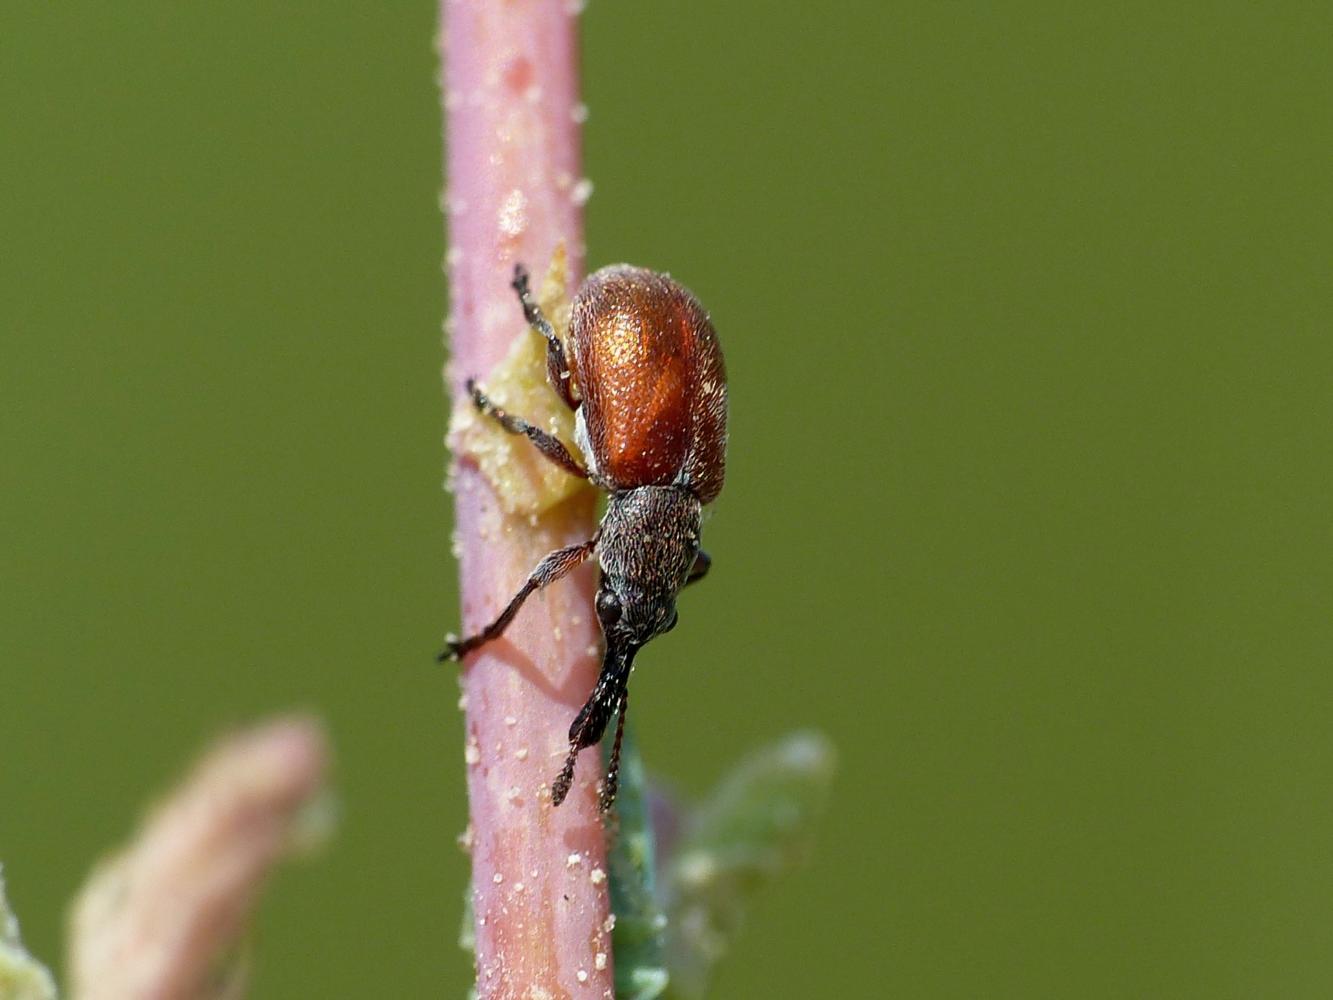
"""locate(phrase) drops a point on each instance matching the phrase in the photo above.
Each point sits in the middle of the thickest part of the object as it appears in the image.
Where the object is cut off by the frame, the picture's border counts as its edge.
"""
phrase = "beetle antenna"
(612, 783)
(607, 695)
(560, 787)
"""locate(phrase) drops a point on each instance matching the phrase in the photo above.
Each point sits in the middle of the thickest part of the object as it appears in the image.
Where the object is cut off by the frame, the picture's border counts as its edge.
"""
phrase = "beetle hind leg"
(557, 368)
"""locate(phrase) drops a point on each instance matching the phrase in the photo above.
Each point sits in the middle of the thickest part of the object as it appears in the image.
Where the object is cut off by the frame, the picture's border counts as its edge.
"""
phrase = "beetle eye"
(608, 608)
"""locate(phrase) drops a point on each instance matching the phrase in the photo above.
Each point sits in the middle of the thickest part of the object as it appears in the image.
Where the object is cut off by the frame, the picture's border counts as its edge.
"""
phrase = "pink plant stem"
(154, 920)
(512, 142)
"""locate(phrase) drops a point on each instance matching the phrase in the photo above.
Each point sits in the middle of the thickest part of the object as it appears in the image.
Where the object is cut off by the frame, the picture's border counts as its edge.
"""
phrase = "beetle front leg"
(548, 444)
(699, 570)
(557, 368)
(550, 569)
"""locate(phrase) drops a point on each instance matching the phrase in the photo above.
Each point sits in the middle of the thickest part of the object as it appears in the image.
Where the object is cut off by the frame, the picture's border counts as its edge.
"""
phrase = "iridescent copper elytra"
(651, 420)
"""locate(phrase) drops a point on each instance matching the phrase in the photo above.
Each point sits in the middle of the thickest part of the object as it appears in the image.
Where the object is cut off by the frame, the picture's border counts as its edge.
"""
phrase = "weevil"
(648, 388)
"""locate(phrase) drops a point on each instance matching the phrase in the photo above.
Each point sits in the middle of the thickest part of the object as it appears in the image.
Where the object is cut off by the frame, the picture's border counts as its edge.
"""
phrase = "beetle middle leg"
(557, 368)
(550, 569)
(548, 444)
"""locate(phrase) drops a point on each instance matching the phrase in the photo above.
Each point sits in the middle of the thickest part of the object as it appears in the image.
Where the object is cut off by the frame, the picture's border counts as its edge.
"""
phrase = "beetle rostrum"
(649, 391)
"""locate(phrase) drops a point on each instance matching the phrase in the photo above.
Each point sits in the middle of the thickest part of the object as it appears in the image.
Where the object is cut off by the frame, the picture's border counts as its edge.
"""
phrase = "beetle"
(648, 388)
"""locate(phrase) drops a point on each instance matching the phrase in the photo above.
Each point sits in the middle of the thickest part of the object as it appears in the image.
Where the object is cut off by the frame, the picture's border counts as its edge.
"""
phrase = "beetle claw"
(452, 649)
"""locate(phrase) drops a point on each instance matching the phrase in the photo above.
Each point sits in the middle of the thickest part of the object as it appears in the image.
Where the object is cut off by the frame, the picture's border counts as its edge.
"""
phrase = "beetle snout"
(637, 617)
(655, 618)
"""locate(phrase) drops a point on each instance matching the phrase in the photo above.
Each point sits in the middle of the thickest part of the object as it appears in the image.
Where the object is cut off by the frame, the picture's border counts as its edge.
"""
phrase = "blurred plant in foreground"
(166, 916)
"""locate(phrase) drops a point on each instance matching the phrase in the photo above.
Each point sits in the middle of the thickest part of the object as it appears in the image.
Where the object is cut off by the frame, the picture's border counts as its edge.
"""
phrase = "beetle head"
(630, 617)
(647, 544)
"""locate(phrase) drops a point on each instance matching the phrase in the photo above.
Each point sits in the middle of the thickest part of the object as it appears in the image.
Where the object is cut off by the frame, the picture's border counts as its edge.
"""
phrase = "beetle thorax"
(648, 542)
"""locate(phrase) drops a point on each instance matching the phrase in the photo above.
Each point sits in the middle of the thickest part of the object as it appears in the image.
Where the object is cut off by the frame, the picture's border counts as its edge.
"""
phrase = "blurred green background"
(1027, 313)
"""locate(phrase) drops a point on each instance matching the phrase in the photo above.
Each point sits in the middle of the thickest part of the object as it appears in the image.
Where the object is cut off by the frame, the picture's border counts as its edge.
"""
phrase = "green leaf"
(637, 939)
(22, 977)
(756, 825)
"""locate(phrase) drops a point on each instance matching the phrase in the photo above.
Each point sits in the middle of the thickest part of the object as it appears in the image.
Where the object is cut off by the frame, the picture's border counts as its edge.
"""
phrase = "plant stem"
(155, 919)
(512, 141)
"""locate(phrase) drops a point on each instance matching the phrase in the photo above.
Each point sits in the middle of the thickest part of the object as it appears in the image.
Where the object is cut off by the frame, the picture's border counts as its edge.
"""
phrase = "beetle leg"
(700, 568)
(557, 368)
(547, 444)
(550, 569)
